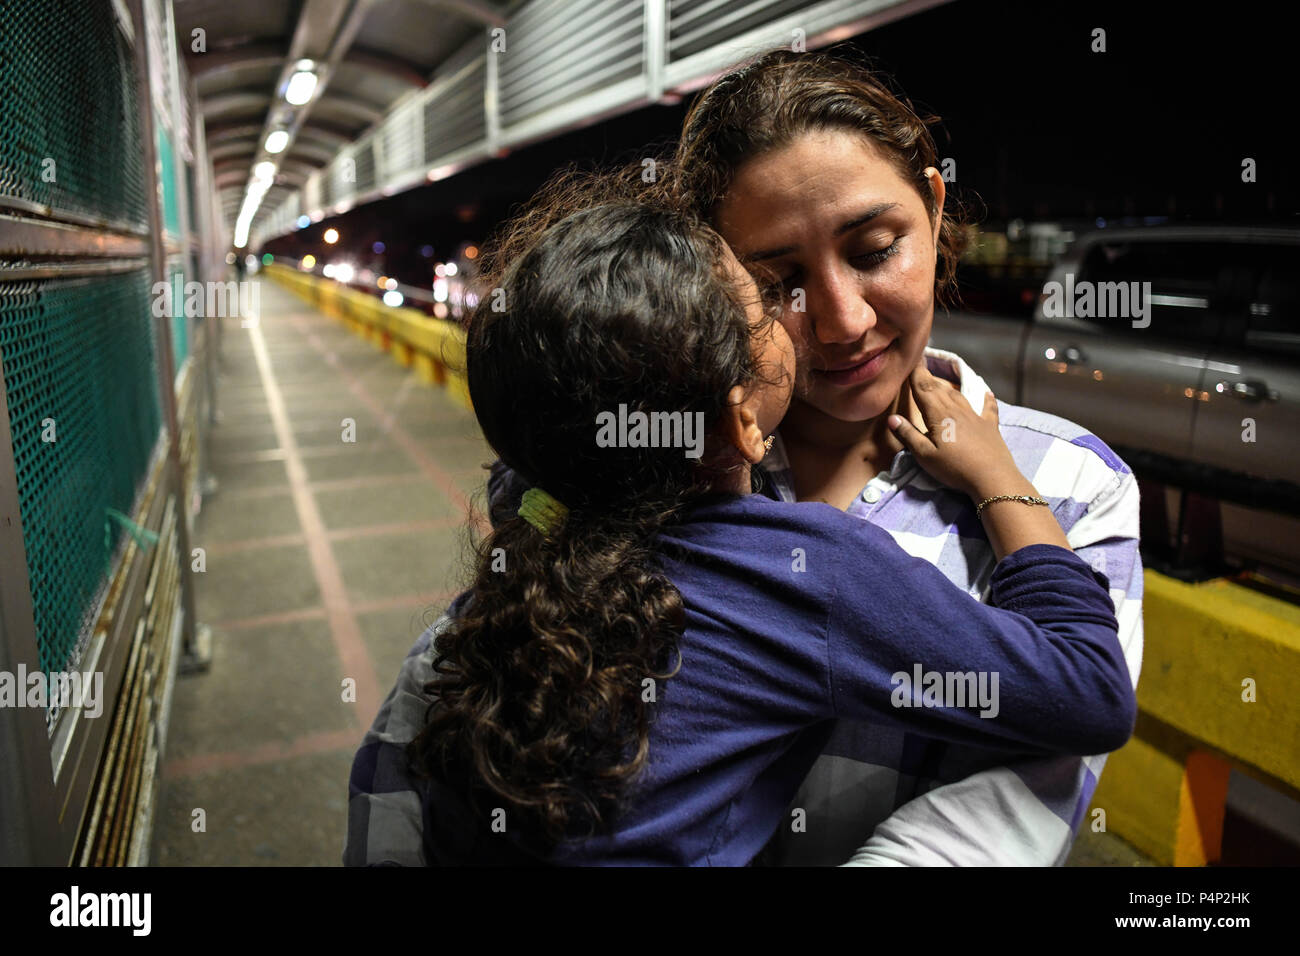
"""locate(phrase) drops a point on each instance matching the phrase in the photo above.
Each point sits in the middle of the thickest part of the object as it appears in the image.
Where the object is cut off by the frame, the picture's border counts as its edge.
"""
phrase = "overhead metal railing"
(551, 60)
(555, 67)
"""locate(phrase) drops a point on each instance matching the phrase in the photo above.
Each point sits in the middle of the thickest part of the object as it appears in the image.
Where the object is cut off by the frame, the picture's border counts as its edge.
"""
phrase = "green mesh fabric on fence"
(180, 324)
(79, 366)
(180, 340)
(167, 174)
(71, 132)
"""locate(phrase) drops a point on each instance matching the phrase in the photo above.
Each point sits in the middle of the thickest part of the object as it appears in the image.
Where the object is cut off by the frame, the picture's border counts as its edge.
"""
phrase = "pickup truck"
(1179, 346)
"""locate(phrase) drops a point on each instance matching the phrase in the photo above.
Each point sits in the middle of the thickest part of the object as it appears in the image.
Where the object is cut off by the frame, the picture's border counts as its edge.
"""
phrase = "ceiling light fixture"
(301, 87)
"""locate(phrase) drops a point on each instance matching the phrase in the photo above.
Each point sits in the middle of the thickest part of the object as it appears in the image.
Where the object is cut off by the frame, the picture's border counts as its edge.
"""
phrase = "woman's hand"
(959, 448)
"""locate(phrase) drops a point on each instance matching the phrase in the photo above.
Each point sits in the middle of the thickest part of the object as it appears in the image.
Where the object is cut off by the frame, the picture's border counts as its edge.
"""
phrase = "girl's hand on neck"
(833, 459)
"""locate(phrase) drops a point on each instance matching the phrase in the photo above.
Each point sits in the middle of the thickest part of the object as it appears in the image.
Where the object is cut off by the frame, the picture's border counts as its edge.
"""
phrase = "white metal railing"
(555, 67)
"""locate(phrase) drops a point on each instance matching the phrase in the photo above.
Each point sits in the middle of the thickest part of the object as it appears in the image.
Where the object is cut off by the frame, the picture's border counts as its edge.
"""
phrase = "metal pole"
(180, 134)
(189, 235)
(209, 230)
(656, 35)
(491, 93)
(166, 362)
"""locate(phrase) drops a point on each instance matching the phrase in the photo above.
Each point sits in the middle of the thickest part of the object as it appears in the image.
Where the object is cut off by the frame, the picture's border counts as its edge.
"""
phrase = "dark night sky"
(1040, 126)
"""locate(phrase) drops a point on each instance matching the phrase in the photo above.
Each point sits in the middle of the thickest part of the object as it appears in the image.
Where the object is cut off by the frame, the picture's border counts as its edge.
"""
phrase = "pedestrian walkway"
(336, 535)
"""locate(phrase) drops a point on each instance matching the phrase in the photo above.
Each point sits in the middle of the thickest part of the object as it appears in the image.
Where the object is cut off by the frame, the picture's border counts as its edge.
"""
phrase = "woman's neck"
(809, 431)
(831, 460)
(811, 436)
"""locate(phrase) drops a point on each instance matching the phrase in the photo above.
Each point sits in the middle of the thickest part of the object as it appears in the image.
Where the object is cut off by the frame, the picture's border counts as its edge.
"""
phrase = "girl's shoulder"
(758, 536)
(766, 515)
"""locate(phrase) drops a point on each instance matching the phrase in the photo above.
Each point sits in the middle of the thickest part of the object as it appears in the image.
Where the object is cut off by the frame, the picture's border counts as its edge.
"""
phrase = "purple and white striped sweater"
(882, 797)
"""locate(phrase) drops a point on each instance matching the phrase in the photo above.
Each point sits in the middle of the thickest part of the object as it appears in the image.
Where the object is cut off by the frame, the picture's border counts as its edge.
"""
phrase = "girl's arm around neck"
(1043, 671)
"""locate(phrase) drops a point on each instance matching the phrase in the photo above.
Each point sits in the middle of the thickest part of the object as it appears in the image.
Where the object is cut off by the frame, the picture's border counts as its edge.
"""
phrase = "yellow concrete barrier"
(433, 347)
(1220, 688)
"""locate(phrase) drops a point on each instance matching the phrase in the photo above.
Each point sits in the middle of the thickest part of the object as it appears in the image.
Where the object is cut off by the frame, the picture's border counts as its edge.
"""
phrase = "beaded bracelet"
(1027, 499)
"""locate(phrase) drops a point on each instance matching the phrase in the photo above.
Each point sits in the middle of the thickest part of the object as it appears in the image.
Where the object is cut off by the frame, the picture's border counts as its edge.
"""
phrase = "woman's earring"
(768, 442)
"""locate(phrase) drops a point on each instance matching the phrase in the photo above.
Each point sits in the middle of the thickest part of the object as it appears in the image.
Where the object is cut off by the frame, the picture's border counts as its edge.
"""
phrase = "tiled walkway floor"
(326, 559)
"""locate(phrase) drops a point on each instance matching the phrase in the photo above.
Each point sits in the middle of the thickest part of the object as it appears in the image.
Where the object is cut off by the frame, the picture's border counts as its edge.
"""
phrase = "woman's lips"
(864, 371)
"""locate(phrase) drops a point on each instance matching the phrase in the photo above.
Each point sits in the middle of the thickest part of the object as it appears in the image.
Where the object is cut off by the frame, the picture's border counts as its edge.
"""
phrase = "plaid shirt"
(879, 797)
(876, 796)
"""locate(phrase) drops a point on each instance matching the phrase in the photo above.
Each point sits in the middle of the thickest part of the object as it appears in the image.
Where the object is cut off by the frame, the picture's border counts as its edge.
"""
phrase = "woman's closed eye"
(868, 260)
(786, 282)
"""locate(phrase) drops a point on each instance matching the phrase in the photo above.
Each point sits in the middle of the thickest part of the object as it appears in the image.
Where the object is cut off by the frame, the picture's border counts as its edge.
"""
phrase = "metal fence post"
(656, 36)
(491, 103)
(166, 362)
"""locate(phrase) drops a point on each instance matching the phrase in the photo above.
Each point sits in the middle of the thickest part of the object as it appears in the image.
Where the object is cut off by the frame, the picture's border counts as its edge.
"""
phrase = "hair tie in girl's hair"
(541, 510)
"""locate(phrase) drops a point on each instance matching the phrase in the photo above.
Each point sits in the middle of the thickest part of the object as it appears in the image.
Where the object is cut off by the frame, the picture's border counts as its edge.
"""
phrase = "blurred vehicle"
(1180, 347)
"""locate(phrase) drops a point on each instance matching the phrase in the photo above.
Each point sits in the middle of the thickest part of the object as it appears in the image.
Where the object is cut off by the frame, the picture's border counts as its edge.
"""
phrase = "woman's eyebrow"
(868, 214)
(879, 209)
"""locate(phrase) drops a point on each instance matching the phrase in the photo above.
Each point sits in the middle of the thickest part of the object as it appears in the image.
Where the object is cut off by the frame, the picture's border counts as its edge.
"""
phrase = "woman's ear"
(938, 190)
(739, 424)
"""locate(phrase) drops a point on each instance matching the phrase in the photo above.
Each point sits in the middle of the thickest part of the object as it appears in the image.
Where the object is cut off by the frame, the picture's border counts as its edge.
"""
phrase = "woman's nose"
(838, 313)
